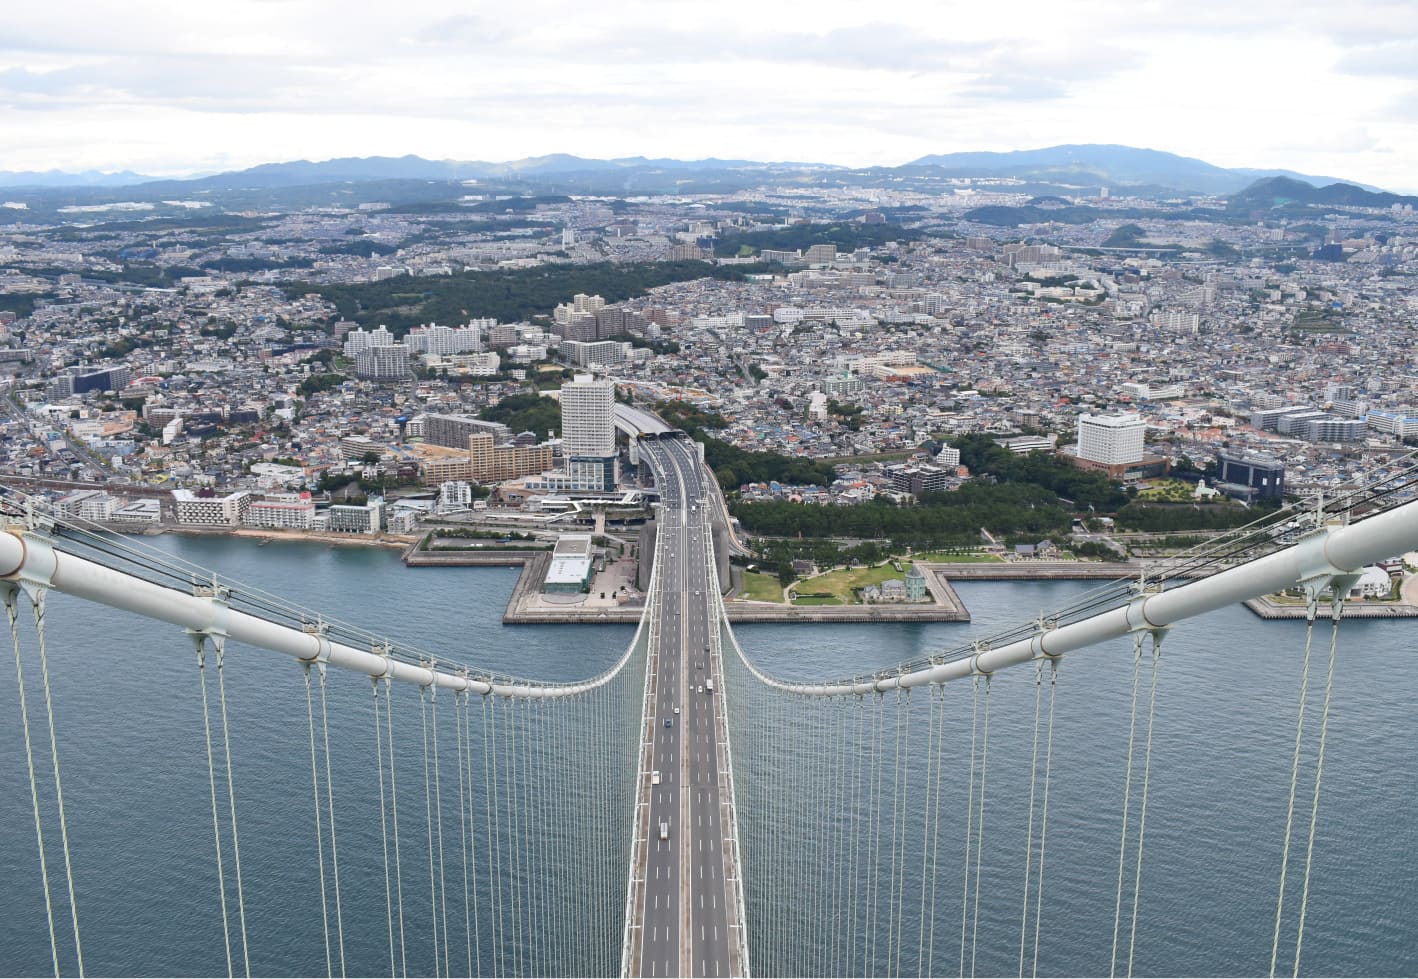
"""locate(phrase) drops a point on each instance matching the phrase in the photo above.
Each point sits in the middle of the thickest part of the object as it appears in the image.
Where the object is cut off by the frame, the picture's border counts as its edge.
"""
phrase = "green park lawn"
(1169, 490)
(844, 583)
(758, 587)
(941, 557)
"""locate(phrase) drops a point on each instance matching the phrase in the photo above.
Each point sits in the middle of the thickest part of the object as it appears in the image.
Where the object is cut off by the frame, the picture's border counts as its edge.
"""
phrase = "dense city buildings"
(1154, 333)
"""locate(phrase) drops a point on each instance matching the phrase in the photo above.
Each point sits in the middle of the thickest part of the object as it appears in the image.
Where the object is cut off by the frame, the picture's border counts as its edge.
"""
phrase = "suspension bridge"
(508, 825)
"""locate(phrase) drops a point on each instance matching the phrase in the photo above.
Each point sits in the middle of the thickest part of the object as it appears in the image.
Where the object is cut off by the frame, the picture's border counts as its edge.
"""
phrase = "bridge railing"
(1325, 551)
(69, 557)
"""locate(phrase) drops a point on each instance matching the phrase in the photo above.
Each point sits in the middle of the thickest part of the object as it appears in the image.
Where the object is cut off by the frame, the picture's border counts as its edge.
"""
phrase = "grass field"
(817, 600)
(844, 583)
(1169, 490)
(761, 587)
(938, 557)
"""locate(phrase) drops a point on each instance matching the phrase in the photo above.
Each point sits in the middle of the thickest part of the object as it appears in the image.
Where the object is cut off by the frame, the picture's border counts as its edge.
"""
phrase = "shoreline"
(526, 605)
(387, 541)
(1271, 610)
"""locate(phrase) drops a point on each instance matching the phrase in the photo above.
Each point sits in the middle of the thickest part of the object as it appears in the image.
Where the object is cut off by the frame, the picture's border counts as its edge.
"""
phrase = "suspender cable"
(200, 641)
(38, 600)
(1142, 809)
(1338, 611)
(459, 713)
(428, 818)
(874, 881)
(1029, 830)
(494, 848)
(477, 963)
(926, 829)
(855, 831)
(219, 645)
(319, 823)
(13, 613)
(898, 842)
(935, 824)
(384, 827)
(438, 808)
(841, 823)
(532, 777)
(1044, 813)
(522, 801)
(969, 817)
(513, 843)
(394, 811)
(1127, 797)
(980, 825)
(1311, 610)
(330, 801)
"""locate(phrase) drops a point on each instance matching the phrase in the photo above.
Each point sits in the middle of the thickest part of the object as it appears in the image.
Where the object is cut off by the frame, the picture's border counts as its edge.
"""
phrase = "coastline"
(399, 542)
(527, 606)
(1269, 609)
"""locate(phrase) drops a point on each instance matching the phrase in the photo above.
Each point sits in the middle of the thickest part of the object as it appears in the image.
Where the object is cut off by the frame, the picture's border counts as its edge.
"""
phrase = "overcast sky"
(177, 86)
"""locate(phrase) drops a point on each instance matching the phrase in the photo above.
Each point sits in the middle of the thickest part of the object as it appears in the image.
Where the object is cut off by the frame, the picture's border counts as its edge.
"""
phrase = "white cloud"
(169, 85)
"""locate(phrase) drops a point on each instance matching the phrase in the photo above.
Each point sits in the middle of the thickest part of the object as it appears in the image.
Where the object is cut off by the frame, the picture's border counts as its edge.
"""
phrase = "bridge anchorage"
(688, 811)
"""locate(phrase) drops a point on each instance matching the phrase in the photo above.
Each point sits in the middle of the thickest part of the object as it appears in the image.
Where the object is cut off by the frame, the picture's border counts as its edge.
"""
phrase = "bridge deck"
(684, 913)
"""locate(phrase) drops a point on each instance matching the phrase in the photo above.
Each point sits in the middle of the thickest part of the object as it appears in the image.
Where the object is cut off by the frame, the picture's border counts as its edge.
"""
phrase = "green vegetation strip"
(758, 587)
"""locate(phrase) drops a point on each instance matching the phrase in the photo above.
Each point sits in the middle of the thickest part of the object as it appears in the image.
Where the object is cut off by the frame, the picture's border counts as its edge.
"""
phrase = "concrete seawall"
(1038, 570)
(415, 558)
(1269, 609)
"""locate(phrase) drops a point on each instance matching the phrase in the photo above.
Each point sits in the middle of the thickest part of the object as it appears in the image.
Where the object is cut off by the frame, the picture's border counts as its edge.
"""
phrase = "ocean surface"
(128, 719)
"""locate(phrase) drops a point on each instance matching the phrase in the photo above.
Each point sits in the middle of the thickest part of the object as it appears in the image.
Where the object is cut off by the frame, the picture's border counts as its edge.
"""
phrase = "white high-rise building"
(588, 433)
(588, 417)
(454, 495)
(1112, 440)
(360, 339)
(383, 363)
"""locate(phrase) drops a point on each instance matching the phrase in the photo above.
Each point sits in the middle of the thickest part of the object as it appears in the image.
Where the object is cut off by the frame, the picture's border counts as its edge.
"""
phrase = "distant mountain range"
(1280, 191)
(61, 178)
(1083, 167)
(1116, 166)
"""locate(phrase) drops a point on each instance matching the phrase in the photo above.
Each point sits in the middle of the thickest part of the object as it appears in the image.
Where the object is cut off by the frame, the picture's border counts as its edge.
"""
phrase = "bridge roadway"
(683, 915)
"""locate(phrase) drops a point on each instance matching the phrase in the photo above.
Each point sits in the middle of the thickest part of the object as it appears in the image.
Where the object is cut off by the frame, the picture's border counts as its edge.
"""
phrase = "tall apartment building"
(388, 363)
(367, 519)
(918, 479)
(445, 340)
(845, 385)
(1176, 320)
(1111, 440)
(355, 447)
(204, 510)
(588, 433)
(580, 303)
(282, 511)
(453, 431)
(781, 256)
(603, 352)
(81, 380)
(493, 463)
(588, 417)
(454, 495)
(362, 339)
(1402, 423)
(86, 505)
